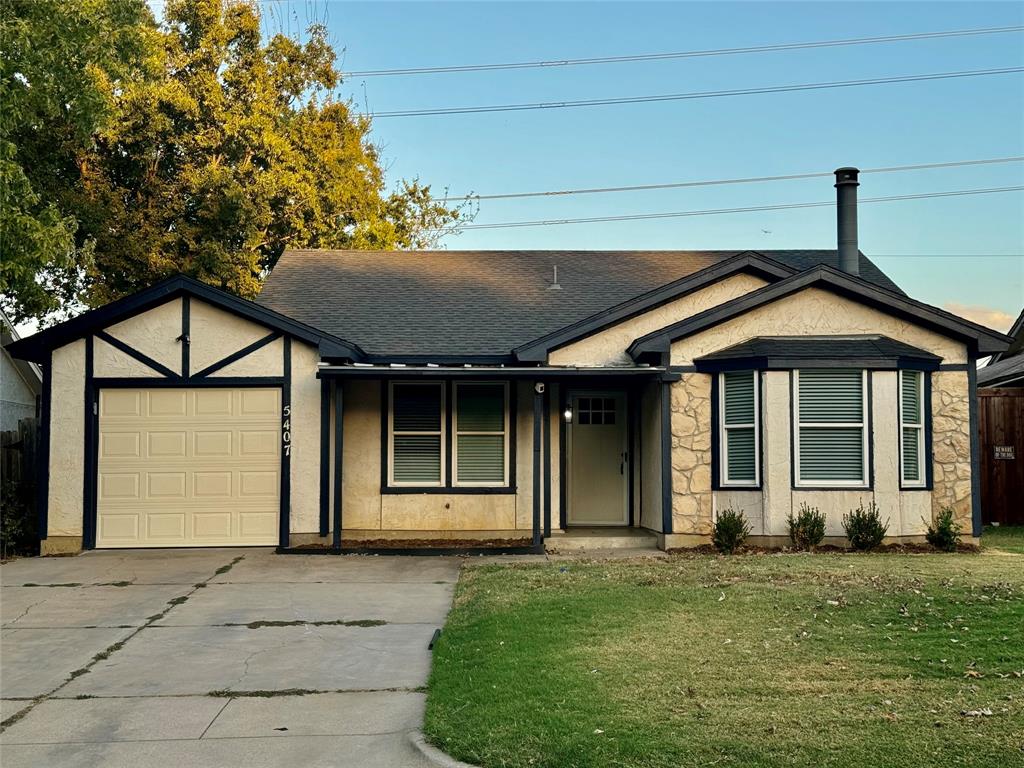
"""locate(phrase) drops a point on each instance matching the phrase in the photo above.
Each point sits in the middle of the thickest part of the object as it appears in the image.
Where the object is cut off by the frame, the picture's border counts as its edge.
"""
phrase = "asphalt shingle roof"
(821, 348)
(480, 302)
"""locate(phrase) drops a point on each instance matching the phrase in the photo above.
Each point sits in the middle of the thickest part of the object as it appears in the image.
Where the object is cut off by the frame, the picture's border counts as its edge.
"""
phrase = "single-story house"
(472, 396)
(21, 382)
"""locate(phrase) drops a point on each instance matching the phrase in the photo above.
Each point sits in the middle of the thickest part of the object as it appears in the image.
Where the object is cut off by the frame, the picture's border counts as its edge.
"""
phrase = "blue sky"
(757, 135)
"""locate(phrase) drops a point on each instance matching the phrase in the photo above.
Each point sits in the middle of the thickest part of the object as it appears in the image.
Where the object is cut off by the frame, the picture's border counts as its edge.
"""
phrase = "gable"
(608, 346)
(814, 311)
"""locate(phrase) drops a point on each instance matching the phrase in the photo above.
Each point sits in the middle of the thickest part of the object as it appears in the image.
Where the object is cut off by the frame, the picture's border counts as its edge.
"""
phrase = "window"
(831, 427)
(421, 452)
(416, 438)
(739, 415)
(481, 434)
(912, 428)
(595, 410)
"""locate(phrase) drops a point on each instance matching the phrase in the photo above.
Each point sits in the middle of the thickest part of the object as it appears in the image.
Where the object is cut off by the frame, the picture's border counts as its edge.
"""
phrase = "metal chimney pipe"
(846, 219)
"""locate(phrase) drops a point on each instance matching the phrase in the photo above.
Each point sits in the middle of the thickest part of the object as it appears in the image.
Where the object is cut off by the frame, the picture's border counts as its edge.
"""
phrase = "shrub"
(807, 529)
(731, 530)
(945, 532)
(864, 527)
(17, 520)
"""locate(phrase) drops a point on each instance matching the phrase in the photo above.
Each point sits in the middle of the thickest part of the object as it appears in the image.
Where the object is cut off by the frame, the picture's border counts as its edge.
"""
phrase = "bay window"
(739, 427)
(831, 427)
(911, 405)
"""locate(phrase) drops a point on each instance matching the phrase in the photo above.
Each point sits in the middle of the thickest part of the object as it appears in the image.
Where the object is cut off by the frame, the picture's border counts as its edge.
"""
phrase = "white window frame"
(922, 480)
(456, 432)
(864, 482)
(723, 445)
(391, 434)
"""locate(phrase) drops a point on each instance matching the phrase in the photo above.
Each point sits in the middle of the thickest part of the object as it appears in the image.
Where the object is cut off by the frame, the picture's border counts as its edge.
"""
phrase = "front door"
(597, 460)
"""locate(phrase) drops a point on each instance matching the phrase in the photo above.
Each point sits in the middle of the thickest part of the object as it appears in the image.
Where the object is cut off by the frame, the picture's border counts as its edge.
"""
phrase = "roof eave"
(38, 346)
(982, 340)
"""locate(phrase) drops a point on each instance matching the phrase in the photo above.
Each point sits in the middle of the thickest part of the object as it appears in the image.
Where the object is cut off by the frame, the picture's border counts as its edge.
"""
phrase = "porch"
(481, 456)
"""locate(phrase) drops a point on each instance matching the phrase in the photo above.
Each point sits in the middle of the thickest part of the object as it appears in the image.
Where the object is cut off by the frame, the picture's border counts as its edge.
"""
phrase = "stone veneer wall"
(691, 455)
(951, 445)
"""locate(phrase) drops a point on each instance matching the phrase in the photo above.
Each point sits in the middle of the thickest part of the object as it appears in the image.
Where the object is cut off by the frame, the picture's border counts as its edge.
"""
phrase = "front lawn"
(756, 660)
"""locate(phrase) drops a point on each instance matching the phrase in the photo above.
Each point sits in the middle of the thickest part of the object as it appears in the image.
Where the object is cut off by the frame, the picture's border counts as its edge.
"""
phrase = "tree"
(59, 65)
(237, 151)
(225, 148)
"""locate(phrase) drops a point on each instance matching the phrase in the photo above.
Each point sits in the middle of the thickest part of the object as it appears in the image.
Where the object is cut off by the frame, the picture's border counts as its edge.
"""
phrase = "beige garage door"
(188, 467)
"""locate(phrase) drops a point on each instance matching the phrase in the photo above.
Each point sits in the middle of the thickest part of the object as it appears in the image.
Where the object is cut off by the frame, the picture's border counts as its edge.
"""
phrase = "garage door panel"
(167, 402)
(212, 443)
(119, 444)
(188, 467)
(119, 485)
(166, 444)
(166, 485)
(209, 484)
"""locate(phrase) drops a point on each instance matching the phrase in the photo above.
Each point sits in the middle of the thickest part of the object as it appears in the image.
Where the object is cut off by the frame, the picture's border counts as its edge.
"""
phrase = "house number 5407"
(286, 430)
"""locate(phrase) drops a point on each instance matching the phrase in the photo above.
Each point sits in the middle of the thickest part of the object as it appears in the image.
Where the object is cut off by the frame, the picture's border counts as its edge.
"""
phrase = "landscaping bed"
(750, 660)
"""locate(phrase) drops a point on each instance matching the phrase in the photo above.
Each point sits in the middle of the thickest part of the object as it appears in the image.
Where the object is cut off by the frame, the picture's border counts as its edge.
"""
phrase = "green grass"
(755, 660)
(1008, 538)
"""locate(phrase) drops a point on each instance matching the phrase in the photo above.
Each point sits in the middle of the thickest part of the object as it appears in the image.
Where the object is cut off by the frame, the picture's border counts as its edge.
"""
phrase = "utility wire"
(715, 182)
(748, 209)
(697, 94)
(682, 54)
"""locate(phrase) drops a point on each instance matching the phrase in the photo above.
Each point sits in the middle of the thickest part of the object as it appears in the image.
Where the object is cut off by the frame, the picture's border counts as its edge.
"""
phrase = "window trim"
(865, 426)
(456, 432)
(441, 433)
(723, 444)
(922, 480)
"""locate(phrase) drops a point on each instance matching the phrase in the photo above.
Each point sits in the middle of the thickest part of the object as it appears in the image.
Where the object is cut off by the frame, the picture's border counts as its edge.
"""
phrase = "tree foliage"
(223, 148)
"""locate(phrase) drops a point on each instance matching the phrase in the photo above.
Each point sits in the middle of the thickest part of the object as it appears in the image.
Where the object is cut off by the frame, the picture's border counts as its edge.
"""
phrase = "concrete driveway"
(216, 658)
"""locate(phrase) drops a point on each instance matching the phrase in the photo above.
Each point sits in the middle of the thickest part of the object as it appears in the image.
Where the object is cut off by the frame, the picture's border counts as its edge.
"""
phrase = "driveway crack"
(114, 648)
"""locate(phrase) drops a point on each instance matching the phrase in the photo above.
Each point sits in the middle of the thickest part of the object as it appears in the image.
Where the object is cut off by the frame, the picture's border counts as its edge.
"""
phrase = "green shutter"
(481, 458)
(911, 458)
(910, 381)
(481, 408)
(417, 459)
(741, 452)
(739, 397)
(417, 407)
(831, 396)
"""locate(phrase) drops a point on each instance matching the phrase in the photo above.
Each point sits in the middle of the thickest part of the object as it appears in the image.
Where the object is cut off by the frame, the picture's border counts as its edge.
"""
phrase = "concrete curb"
(433, 754)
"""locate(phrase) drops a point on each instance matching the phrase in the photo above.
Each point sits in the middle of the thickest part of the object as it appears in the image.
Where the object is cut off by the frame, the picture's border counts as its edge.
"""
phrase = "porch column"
(547, 465)
(666, 457)
(538, 411)
(339, 451)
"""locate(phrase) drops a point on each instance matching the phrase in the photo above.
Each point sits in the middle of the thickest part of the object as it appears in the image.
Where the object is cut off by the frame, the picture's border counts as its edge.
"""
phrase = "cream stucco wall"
(216, 334)
(608, 347)
(265, 361)
(109, 361)
(908, 511)
(154, 333)
(368, 513)
(67, 440)
(814, 311)
(305, 439)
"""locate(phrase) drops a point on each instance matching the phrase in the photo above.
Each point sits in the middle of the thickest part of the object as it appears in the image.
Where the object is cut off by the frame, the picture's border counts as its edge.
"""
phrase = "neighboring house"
(21, 382)
(1001, 432)
(476, 396)
(1006, 369)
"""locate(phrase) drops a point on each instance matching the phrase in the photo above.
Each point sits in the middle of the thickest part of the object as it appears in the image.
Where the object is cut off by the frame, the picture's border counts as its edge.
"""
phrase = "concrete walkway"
(216, 658)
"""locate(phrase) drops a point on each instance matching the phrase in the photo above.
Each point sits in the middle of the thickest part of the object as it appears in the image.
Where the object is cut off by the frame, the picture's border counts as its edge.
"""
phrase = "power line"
(697, 94)
(747, 209)
(715, 182)
(681, 54)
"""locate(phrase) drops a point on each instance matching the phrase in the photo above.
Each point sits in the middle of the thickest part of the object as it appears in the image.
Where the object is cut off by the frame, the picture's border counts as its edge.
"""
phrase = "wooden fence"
(1001, 428)
(18, 474)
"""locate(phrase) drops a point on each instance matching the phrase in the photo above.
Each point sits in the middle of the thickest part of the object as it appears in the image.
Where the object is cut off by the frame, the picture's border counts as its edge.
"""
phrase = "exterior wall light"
(567, 414)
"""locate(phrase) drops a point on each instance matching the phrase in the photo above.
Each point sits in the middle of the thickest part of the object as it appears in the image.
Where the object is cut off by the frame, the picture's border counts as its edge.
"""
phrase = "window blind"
(739, 428)
(831, 426)
(416, 441)
(480, 434)
(912, 426)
